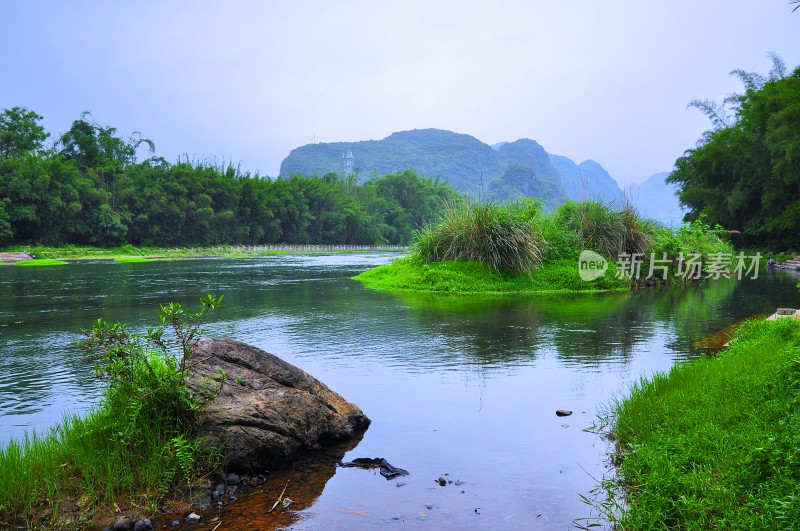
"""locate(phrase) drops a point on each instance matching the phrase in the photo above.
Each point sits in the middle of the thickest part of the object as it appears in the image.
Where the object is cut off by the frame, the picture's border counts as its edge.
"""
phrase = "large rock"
(267, 412)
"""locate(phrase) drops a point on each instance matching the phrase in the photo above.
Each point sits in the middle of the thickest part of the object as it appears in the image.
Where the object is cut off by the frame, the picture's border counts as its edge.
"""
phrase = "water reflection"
(462, 385)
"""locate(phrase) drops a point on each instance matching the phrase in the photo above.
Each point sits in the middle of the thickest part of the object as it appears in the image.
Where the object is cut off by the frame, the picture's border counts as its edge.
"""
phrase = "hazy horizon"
(249, 81)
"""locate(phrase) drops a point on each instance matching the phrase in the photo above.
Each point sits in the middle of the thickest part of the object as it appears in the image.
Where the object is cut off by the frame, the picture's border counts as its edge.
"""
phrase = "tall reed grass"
(608, 231)
(500, 237)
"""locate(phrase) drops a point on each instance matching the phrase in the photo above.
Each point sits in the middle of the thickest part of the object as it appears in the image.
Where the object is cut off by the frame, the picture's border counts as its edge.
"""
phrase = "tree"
(20, 133)
(745, 173)
(6, 233)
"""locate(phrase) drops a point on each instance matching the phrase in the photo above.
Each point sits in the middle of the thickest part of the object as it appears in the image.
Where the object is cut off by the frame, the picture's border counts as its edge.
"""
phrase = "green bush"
(499, 236)
(137, 445)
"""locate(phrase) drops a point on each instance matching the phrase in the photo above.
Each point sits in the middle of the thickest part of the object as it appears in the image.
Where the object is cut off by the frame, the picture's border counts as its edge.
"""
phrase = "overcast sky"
(249, 81)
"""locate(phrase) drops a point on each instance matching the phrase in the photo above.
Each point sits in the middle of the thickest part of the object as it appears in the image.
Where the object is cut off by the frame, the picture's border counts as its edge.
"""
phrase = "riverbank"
(129, 253)
(411, 274)
(713, 442)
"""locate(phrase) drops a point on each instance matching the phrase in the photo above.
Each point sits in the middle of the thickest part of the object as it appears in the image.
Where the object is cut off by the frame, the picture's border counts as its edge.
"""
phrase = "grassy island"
(410, 274)
(489, 248)
(714, 443)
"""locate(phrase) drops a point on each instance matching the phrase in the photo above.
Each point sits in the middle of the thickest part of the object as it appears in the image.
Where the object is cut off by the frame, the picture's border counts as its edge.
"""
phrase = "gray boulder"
(266, 412)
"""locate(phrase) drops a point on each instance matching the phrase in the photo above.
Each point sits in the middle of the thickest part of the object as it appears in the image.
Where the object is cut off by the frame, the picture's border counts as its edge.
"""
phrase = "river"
(463, 386)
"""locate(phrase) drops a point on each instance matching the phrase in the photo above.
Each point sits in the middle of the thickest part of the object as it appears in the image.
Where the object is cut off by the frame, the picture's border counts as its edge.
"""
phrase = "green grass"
(139, 445)
(410, 274)
(132, 259)
(77, 252)
(84, 461)
(715, 443)
(41, 262)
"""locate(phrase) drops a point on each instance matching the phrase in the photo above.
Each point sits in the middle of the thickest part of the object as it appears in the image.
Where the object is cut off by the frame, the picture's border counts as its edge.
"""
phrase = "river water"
(463, 386)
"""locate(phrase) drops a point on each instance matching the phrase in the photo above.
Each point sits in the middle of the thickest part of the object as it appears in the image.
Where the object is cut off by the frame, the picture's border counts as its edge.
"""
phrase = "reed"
(498, 236)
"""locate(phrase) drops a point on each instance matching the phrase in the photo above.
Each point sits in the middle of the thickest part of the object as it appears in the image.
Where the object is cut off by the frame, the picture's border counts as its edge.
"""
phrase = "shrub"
(597, 226)
(500, 237)
(135, 446)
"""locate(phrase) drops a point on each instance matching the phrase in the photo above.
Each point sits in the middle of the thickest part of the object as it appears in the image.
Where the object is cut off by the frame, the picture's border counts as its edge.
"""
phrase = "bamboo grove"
(88, 186)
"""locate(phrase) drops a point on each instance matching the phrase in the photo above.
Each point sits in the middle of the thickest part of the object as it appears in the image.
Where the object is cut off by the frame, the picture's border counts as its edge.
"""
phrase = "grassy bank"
(714, 443)
(40, 263)
(78, 252)
(411, 274)
(138, 446)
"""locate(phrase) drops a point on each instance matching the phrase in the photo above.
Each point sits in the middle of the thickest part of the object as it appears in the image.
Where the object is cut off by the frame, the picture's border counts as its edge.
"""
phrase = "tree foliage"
(91, 188)
(745, 173)
(20, 133)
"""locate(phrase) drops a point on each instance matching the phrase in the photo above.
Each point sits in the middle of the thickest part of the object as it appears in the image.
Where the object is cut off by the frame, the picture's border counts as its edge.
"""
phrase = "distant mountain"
(506, 171)
(656, 199)
(527, 172)
(586, 181)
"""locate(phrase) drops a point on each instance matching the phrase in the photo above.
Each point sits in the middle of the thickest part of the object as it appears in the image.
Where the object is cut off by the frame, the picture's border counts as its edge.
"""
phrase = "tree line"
(744, 174)
(89, 187)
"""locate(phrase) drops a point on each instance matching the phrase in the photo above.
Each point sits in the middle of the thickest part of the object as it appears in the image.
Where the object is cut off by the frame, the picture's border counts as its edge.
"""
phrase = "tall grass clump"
(714, 443)
(600, 227)
(498, 236)
(139, 444)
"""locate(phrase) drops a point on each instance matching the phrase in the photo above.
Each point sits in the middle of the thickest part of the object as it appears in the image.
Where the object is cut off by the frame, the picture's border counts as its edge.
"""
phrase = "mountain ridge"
(505, 171)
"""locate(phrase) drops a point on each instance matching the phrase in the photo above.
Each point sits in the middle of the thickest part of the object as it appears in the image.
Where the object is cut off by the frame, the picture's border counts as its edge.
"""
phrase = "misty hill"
(656, 199)
(505, 171)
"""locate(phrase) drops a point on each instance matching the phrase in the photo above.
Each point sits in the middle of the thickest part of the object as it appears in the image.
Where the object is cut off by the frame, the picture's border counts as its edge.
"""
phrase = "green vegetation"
(500, 237)
(517, 248)
(90, 188)
(40, 262)
(129, 253)
(138, 445)
(132, 259)
(714, 443)
(413, 275)
(744, 173)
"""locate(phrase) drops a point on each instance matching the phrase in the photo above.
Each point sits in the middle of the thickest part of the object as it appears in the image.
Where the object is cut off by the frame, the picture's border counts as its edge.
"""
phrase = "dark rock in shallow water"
(281, 414)
(123, 524)
(563, 412)
(232, 479)
(143, 525)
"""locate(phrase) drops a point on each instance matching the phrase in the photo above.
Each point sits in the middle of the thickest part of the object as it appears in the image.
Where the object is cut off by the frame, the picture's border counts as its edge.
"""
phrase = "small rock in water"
(175, 523)
(232, 479)
(442, 481)
(193, 518)
(219, 488)
(123, 524)
(143, 525)
(563, 412)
